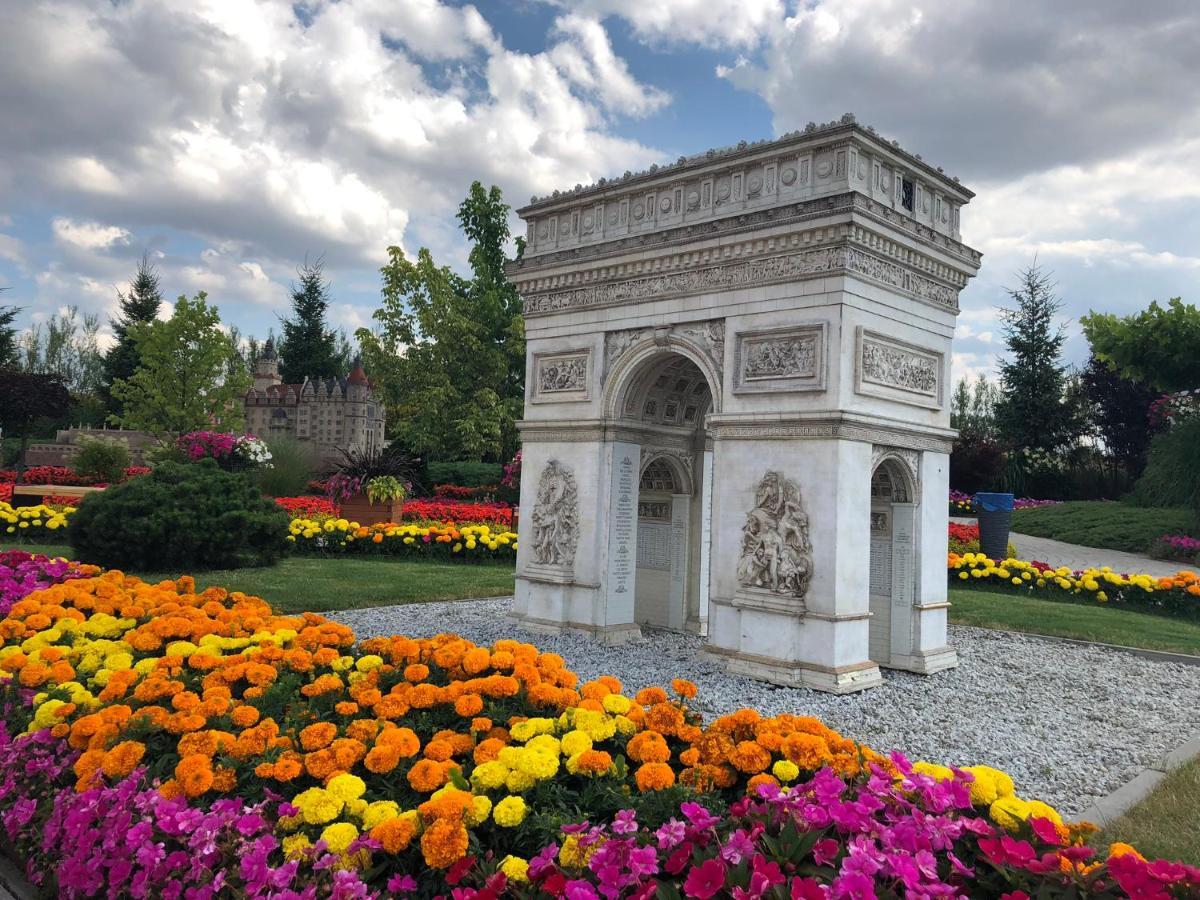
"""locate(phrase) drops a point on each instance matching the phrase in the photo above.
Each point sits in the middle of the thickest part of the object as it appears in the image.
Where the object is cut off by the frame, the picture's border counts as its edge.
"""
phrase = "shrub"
(101, 460)
(292, 466)
(192, 516)
(1172, 475)
(976, 464)
(466, 474)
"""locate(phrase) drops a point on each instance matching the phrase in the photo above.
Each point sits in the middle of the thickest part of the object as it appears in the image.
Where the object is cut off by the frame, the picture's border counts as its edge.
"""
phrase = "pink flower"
(705, 880)
(825, 851)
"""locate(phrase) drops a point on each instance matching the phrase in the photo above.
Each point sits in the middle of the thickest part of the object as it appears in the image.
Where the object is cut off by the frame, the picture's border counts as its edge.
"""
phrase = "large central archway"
(663, 402)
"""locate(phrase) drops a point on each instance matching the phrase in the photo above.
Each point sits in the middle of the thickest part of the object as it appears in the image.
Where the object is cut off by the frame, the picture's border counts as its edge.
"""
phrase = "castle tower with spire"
(331, 414)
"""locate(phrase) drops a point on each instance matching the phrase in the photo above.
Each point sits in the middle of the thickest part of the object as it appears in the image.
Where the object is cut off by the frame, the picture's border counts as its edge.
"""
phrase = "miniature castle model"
(737, 419)
(333, 414)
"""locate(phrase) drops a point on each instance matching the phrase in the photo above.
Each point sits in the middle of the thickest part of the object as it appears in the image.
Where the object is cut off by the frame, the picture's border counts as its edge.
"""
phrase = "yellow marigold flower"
(1009, 812)
(515, 869)
(317, 806)
(509, 812)
(785, 770)
(481, 808)
(490, 775)
(346, 787)
(1120, 848)
(294, 845)
(339, 836)
(616, 704)
(379, 811)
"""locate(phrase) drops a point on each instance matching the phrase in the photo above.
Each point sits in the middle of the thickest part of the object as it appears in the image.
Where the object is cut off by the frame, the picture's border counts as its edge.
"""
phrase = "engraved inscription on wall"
(654, 546)
(898, 371)
(781, 359)
(621, 547)
(560, 377)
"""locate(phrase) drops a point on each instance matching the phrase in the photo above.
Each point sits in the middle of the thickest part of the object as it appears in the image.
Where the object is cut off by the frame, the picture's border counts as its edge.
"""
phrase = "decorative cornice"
(794, 213)
(842, 255)
(818, 426)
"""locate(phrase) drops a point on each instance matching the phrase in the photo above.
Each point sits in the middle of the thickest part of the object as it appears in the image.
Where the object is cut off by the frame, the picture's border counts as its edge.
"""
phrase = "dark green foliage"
(28, 399)
(101, 460)
(293, 465)
(8, 336)
(1120, 410)
(1110, 525)
(1172, 475)
(180, 518)
(459, 387)
(1156, 346)
(308, 347)
(976, 464)
(1033, 412)
(466, 474)
(139, 305)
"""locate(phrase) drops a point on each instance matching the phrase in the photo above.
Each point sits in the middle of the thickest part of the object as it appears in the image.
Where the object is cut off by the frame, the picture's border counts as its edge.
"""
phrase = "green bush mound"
(180, 517)
(1111, 525)
(465, 474)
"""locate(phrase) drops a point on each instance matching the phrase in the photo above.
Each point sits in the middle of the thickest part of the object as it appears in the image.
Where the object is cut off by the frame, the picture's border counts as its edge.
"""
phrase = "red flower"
(705, 880)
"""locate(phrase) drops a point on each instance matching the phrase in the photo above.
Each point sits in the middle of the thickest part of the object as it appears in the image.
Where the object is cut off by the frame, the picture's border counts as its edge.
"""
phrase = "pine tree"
(1032, 412)
(8, 335)
(308, 347)
(140, 305)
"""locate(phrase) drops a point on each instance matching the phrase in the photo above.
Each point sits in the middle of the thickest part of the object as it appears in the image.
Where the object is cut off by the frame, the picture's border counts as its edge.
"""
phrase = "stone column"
(928, 650)
(818, 640)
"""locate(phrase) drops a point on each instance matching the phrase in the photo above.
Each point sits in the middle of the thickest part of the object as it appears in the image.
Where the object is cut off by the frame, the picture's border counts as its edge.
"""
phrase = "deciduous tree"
(26, 400)
(1156, 346)
(449, 351)
(184, 381)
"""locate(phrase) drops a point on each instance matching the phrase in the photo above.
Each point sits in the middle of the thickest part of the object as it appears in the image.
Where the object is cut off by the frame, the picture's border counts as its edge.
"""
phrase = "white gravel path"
(1070, 723)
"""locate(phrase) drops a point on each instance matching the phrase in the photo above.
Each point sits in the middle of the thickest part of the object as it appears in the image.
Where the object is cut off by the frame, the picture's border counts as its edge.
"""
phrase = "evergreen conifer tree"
(140, 305)
(1032, 413)
(308, 347)
(8, 335)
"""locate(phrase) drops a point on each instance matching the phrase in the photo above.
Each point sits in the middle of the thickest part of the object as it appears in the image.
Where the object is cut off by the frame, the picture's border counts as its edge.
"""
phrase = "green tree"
(67, 345)
(28, 399)
(184, 381)
(141, 304)
(8, 335)
(1156, 346)
(973, 407)
(1120, 409)
(308, 347)
(1033, 412)
(449, 351)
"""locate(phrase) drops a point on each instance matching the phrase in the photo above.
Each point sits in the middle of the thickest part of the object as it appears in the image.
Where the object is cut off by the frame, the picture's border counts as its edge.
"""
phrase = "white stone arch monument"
(725, 355)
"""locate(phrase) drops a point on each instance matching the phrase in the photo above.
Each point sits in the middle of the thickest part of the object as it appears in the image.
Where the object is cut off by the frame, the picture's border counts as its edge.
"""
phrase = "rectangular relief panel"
(562, 377)
(896, 370)
(790, 358)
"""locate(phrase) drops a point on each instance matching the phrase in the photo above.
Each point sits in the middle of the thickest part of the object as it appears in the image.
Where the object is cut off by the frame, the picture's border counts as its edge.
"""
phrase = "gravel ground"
(1069, 723)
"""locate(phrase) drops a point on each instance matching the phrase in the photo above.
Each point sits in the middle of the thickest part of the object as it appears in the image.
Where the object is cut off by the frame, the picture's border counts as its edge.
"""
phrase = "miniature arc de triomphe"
(737, 406)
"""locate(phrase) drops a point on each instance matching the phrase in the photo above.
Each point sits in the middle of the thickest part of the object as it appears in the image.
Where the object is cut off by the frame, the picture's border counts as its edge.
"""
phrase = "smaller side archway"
(892, 569)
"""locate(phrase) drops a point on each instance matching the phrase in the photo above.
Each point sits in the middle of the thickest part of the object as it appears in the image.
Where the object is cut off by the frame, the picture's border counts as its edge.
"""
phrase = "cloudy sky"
(230, 139)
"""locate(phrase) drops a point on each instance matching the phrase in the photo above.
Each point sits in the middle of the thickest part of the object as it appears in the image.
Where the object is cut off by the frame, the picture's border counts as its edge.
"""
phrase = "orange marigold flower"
(481, 724)
(476, 660)
(381, 759)
(444, 843)
(318, 735)
(684, 688)
(194, 774)
(647, 747)
(244, 716)
(664, 718)
(405, 741)
(749, 757)
(654, 776)
(650, 696)
(394, 834)
(426, 776)
(416, 672)
(487, 750)
(469, 705)
(594, 762)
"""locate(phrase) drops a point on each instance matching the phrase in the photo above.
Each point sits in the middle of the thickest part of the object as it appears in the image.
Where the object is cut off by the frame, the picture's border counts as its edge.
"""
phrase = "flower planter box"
(361, 510)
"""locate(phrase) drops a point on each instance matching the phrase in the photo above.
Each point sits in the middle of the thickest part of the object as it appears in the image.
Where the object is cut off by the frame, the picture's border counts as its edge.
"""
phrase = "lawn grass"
(322, 584)
(1158, 826)
(1011, 612)
(1103, 523)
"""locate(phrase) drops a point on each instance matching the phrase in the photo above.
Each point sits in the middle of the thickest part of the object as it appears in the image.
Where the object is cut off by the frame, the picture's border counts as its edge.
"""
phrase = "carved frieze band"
(791, 358)
(561, 377)
(895, 370)
(747, 273)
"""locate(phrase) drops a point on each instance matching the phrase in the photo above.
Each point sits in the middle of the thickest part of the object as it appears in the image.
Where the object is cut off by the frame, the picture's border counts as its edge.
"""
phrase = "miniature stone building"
(737, 406)
(331, 414)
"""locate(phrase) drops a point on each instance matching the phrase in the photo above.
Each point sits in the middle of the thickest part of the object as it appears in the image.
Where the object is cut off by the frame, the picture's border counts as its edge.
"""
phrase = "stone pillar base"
(842, 680)
(926, 662)
(613, 635)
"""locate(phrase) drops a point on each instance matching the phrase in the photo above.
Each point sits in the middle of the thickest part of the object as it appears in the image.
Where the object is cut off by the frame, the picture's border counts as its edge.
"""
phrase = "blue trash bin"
(995, 522)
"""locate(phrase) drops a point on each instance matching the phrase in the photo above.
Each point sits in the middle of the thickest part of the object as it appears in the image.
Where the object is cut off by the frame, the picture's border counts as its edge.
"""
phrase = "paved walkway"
(1060, 553)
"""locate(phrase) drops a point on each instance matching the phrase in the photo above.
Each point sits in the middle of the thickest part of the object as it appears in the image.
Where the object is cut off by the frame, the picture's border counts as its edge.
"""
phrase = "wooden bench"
(32, 494)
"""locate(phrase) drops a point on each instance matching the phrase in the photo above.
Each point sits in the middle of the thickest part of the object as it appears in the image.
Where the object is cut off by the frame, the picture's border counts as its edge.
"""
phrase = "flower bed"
(1177, 546)
(35, 524)
(23, 573)
(62, 475)
(965, 539)
(446, 540)
(964, 504)
(230, 449)
(307, 507)
(1178, 596)
(155, 738)
(456, 511)
(463, 492)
